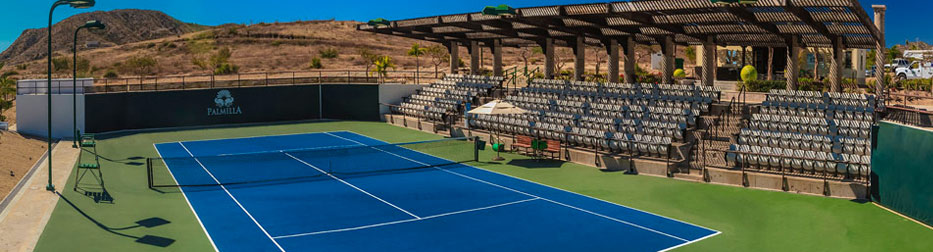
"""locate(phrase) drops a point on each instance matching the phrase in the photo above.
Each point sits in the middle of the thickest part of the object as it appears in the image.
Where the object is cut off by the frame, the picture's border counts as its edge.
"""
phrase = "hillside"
(123, 26)
(261, 47)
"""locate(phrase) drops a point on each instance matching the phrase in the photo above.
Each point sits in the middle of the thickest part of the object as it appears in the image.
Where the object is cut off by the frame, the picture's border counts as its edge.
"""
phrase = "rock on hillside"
(123, 26)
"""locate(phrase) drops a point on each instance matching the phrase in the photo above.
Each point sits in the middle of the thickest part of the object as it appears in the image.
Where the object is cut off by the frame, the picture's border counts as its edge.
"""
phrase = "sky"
(904, 22)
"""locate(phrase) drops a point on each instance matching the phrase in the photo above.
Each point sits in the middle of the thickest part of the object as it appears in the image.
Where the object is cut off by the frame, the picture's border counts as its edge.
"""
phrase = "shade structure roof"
(498, 107)
(816, 23)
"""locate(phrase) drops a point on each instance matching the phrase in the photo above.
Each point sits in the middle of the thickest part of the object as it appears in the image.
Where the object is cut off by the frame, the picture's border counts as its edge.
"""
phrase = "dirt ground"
(17, 155)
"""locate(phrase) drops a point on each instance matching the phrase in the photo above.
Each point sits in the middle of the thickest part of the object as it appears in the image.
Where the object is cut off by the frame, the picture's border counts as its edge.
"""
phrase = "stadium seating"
(447, 96)
(641, 118)
(811, 132)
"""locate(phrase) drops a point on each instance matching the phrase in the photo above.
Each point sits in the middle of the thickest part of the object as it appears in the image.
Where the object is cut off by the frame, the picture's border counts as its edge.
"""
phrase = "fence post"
(182, 82)
(238, 80)
(157, 83)
(267, 78)
(212, 80)
(293, 78)
(348, 76)
(320, 77)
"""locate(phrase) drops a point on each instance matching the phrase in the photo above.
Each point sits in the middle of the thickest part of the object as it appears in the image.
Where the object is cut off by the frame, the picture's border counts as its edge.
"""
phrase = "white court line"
(404, 221)
(234, 198)
(555, 188)
(351, 185)
(288, 150)
(690, 242)
(186, 200)
(521, 192)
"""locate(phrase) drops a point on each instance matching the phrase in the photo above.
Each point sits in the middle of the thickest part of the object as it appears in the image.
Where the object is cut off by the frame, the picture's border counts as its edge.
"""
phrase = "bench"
(522, 143)
(552, 150)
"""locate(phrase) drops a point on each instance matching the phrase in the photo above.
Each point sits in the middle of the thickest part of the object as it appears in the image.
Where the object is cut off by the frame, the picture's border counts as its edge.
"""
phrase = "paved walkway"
(23, 221)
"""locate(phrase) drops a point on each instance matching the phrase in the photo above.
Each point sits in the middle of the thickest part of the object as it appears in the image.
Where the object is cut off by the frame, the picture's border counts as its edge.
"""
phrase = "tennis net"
(312, 164)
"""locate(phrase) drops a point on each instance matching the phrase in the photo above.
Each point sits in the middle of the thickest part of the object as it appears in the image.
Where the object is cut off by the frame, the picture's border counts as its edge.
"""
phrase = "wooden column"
(793, 67)
(579, 62)
(497, 57)
(628, 46)
(613, 52)
(454, 49)
(548, 48)
(709, 63)
(836, 66)
(474, 57)
(667, 62)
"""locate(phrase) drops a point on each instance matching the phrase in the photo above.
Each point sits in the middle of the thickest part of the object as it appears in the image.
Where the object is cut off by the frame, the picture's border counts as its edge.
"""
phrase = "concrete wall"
(32, 115)
(393, 94)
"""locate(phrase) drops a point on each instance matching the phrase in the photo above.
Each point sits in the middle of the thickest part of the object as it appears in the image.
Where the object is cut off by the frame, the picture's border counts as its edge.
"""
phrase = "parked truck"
(915, 70)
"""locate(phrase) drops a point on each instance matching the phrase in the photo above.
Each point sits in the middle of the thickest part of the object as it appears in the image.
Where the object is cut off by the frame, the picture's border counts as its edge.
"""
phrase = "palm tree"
(382, 65)
(416, 51)
(7, 91)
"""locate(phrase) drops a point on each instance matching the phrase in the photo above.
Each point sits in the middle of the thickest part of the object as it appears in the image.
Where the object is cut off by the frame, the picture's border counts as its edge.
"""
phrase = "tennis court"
(345, 191)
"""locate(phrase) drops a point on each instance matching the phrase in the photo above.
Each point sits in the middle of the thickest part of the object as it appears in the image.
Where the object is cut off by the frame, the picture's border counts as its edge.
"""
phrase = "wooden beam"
(805, 16)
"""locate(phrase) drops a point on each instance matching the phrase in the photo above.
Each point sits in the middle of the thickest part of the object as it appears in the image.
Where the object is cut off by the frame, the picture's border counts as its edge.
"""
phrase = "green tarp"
(902, 170)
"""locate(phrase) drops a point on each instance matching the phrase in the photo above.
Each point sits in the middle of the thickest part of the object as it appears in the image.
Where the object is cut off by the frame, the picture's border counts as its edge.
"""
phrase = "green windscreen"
(902, 170)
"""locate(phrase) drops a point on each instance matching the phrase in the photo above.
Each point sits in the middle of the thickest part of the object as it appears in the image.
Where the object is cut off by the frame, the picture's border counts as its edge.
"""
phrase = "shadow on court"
(537, 163)
(145, 223)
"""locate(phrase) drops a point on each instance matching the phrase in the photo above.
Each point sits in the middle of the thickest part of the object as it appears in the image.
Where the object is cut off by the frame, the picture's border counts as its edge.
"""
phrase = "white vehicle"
(916, 70)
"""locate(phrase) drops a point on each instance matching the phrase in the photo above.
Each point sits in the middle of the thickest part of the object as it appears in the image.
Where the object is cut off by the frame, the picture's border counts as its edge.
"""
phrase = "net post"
(149, 171)
(475, 148)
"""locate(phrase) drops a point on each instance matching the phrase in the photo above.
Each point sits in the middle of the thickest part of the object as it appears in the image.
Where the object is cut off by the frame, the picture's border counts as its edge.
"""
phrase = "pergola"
(794, 24)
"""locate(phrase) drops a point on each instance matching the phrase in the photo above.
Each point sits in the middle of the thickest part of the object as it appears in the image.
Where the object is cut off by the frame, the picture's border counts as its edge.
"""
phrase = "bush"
(226, 68)
(807, 84)
(276, 43)
(316, 63)
(111, 74)
(680, 74)
(762, 85)
(329, 53)
(749, 73)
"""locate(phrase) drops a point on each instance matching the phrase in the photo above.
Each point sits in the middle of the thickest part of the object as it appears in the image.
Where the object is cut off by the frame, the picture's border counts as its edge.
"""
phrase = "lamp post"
(78, 4)
(93, 24)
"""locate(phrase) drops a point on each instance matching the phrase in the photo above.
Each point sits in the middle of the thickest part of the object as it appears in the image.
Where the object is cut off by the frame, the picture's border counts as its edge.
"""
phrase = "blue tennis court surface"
(445, 208)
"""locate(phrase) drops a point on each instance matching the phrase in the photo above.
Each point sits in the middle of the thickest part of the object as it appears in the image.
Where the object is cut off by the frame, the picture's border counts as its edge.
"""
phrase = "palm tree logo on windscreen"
(224, 101)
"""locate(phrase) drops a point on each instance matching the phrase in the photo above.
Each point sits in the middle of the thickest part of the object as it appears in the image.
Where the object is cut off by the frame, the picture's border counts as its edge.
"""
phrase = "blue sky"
(904, 22)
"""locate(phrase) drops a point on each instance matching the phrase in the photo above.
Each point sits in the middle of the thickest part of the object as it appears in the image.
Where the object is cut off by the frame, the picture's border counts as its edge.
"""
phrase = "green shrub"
(226, 68)
(316, 63)
(329, 53)
(111, 74)
(276, 43)
(762, 85)
(807, 84)
(749, 73)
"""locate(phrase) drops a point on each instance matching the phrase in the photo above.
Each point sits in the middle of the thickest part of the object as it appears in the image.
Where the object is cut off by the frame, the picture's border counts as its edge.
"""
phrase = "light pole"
(78, 4)
(93, 24)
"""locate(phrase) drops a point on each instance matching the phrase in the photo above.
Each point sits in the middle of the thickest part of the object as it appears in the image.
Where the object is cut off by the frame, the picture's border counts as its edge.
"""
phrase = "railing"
(447, 119)
(902, 111)
(182, 82)
(790, 171)
(597, 148)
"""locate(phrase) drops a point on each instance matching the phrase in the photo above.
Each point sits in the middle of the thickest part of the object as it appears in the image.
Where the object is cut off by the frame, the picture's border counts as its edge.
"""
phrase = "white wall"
(32, 116)
(393, 94)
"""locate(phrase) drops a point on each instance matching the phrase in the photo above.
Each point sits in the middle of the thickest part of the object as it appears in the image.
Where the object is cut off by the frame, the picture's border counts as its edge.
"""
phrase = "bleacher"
(636, 118)
(809, 133)
(447, 96)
